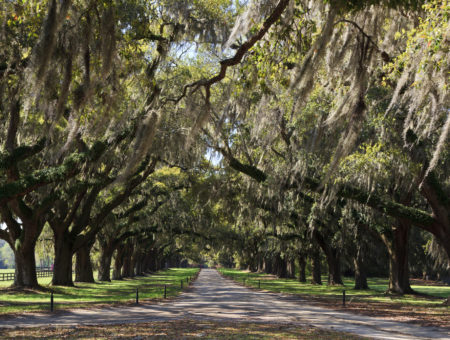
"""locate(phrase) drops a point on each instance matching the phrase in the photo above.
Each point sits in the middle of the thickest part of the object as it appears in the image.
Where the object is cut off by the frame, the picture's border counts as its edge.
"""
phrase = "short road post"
(343, 298)
(165, 291)
(137, 296)
(51, 302)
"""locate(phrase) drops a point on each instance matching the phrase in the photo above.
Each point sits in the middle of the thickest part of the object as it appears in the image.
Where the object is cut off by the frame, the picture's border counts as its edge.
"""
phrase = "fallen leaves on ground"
(178, 329)
(424, 316)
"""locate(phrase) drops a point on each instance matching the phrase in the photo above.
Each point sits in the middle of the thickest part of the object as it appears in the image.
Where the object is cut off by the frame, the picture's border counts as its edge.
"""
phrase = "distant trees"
(6, 255)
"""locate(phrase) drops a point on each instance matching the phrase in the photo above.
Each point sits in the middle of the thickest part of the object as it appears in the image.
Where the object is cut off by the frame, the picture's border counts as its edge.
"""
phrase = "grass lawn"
(433, 295)
(88, 294)
(426, 308)
(180, 329)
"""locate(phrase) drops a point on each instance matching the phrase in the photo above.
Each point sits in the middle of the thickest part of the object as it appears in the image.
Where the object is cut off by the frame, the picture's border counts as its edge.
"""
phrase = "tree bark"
(360, 274)
(260, 263)
(83, 265)
(333, 259)
(150, 261)
(267, 265)
(22, 239)
(25, 268)
(302, 268)
(360, 268)
(139, 267)
(127, 269)
(62, 269)
(334, 267)
(136, 269)
(316, 268)
(280, 266)
(118, 263)
(398, 258)
(104, 268)
(291, 268)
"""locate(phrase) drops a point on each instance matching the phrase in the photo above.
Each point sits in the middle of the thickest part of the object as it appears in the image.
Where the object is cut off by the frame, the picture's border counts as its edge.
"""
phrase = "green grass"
(378, 286)
(43, 281)
(87, 294)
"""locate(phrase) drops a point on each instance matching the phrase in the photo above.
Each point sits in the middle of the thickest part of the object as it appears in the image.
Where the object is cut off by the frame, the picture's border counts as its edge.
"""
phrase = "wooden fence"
(7, 276)
(44, 272)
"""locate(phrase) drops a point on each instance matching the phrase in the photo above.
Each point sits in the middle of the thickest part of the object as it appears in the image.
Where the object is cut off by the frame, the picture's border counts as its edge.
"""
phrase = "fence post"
(51, 302)
(165, 291)
(137, 296)
(343, 298)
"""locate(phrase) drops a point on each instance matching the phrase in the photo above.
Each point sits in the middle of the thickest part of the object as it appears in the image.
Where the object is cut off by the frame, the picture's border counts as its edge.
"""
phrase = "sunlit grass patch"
(87, 294)
(432, 295)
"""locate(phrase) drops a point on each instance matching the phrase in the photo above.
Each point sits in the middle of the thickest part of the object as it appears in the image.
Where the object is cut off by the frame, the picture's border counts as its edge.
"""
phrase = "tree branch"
(237, 58)
(8, 159)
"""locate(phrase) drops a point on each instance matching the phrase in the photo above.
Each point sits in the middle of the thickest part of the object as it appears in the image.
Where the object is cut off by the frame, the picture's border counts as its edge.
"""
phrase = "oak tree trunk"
(118, 263)
(316, 268)
(25, 268)
(126, 268)
(302, 268)
(267, 265)
(291, 268)
(104, 269)
(360, 268)
(334, 266)
(398, 258)
(280, 266)
(260, 263)
(83, 265)
(62, 269)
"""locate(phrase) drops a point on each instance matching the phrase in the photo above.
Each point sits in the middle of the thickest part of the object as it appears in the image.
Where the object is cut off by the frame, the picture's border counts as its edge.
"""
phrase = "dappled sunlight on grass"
(84, 294)
(377, 291)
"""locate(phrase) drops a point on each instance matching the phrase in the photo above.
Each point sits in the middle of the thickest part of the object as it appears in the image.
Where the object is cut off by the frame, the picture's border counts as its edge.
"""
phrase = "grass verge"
(425, 308)
(83, 295)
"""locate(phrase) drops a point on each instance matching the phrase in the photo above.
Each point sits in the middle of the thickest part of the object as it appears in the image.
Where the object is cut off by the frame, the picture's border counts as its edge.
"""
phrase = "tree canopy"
(255, 133)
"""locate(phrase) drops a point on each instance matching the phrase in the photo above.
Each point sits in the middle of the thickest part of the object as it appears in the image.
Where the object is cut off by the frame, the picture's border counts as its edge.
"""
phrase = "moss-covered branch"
(376, 201)
(386, 206)
(39, 178)
(249, 170)
(20, 153)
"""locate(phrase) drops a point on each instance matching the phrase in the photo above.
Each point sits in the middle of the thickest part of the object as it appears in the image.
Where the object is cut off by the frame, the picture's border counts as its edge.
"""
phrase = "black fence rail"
(44, 272)
(7, 276)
